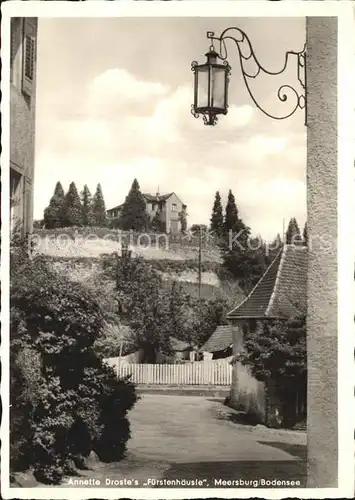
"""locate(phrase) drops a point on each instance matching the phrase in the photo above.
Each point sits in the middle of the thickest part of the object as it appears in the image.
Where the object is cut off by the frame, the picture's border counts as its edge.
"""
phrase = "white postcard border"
(346, 125)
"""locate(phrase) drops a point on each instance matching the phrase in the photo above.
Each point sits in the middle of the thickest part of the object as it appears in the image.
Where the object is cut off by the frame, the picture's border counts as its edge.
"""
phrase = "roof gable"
(115, 208)
(290, 293)
(281, 292)
(257, 302)
(154, 197)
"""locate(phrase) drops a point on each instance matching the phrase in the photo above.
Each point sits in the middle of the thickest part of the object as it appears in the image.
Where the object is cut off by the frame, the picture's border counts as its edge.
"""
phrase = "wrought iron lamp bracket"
(286, 92)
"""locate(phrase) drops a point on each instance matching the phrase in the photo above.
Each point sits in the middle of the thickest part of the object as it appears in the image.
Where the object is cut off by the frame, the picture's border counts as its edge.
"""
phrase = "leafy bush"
(76, 401)
(277, 353)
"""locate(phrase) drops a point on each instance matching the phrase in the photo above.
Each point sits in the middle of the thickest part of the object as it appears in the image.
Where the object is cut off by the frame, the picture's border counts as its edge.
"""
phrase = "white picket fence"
(197, 373)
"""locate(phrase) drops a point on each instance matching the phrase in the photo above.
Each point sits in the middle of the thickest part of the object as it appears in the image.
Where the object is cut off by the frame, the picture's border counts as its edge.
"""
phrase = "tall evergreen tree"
(235, 243)
(217, 226)
(305, 234)
(72, 207)
(293, 234)
(53, 214)
(134, 214)
(99, 208)
(86, 203)
(183, 219)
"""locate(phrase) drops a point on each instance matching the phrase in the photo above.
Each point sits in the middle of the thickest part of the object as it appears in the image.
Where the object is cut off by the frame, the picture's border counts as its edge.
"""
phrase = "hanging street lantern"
(212, 78)
(210, 88)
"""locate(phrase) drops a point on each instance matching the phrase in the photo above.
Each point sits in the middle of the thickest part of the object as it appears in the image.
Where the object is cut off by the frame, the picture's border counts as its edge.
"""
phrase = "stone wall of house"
(322, 424)
(173, 208)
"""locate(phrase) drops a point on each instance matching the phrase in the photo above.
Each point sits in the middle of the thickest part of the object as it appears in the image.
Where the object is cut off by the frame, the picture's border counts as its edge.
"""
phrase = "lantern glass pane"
(218, 88)
(202, 87)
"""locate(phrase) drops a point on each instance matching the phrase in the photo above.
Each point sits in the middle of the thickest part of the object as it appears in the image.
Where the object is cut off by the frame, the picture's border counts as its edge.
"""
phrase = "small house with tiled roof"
(220, 344)
(166, 207)
(280, 294)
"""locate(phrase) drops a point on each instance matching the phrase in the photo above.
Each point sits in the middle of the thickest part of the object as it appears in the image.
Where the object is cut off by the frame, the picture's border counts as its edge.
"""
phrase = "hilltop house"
(168, 206)
(22, 121)
(280, 294)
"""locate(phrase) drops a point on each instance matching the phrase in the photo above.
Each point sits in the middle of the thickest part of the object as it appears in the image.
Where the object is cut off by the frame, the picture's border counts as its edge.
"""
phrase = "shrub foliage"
(76, 404)
(278, 351)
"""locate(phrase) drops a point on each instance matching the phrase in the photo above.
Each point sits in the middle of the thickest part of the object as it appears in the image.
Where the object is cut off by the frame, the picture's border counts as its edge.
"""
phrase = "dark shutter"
(29, 56)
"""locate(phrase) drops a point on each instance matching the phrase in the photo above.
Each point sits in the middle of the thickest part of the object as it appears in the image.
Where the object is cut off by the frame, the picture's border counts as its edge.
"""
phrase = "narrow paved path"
(187, 429)
(191, 437)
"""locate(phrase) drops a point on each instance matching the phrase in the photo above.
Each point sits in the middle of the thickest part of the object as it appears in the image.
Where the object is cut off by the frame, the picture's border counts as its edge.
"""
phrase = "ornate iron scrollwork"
(284, 92)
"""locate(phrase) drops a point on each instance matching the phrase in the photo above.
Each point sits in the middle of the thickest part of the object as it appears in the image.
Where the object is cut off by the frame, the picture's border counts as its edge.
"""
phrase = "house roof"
(148, 197)
(221, 339)
(159, 197)
(282, 290)
(115, 208)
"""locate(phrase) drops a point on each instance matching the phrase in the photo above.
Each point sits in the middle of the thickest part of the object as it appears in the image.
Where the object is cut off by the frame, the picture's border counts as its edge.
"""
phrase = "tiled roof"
(220, 339)
(290, 295)
(148, 197)
(281, 292)
(115, 208)
(154, 197)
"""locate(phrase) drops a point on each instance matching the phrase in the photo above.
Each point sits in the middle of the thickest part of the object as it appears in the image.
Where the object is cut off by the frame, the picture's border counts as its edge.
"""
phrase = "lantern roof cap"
(211, 53)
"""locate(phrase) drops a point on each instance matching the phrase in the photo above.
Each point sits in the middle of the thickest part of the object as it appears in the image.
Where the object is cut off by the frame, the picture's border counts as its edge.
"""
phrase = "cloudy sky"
(113, 103)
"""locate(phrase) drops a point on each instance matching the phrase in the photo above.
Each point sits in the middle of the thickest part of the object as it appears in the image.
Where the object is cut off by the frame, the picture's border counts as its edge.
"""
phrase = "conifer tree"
(237, 233)
(293, 234)
(217, 226)
(134, 214)
(236, 252)
(72, 207)
(86, 203)
(99, 208)
(53, 214)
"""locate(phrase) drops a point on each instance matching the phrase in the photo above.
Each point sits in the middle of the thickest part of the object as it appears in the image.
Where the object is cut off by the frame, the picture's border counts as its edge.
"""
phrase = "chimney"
(158, 194)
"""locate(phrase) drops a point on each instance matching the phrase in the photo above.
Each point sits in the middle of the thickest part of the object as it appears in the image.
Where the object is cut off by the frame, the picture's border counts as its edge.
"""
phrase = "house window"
(174, 207)
(29, 58)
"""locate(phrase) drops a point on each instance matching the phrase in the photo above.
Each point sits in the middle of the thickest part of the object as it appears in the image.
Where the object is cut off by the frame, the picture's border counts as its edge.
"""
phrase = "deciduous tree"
(277, 351)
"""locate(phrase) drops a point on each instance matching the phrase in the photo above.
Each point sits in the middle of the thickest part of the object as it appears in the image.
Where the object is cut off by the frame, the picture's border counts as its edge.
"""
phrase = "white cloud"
(265, 145)
(237, 117)
(117, 89)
